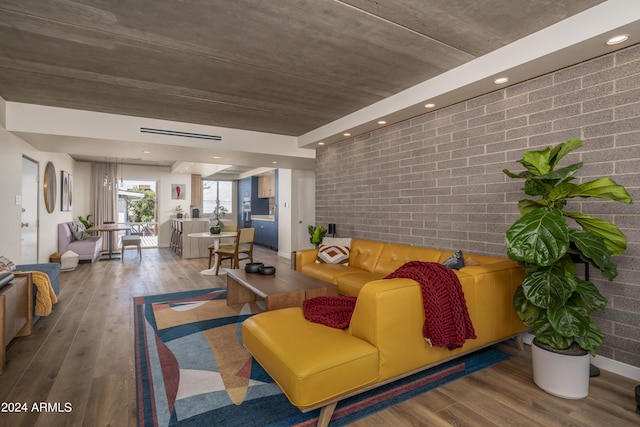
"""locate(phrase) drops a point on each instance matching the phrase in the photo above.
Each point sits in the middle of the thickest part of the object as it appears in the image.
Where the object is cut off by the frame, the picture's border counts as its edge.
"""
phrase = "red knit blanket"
(447, 322)
(331, 311)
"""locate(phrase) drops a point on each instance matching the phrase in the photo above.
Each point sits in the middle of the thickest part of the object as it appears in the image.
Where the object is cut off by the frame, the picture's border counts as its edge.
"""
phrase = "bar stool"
(174, 235)
(179, 239)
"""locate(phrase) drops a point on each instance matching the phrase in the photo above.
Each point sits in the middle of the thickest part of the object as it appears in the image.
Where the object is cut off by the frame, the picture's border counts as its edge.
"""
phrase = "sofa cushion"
(333, 254)
(309, 373)
(327, 272)
(350, 284)
(455, 261)
(78, 230)
(394, 256)
(6, 264)
(364, 254)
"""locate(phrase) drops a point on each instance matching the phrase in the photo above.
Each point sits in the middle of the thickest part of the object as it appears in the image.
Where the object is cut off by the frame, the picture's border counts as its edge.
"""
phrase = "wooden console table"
(16, 311)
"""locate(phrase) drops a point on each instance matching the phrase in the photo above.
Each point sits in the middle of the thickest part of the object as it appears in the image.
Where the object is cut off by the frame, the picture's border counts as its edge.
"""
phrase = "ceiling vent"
(180, 133)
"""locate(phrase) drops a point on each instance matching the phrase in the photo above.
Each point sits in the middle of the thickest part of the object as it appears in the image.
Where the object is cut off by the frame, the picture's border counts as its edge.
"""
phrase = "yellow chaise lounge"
(316, 365)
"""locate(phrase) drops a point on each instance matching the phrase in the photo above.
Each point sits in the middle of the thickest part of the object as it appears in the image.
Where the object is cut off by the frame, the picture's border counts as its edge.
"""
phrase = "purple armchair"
(87, 249)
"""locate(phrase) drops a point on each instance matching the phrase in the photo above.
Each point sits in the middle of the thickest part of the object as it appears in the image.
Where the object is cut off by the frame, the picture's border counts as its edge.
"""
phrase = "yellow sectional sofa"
(316, 365)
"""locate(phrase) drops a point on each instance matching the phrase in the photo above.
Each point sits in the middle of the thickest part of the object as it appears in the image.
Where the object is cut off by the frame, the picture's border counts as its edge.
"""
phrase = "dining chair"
(227, 242)
(242, 249)
(130, 240)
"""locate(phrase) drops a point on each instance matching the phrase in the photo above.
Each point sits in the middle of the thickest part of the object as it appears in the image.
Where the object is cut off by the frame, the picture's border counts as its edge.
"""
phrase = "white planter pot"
(559, 374)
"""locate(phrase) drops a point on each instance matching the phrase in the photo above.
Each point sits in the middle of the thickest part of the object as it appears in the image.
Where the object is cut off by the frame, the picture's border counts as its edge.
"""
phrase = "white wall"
(12, 149)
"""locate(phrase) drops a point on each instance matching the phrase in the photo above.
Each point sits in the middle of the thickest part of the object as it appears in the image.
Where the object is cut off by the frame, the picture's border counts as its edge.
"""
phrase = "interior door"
(29, 221)
(306, 210)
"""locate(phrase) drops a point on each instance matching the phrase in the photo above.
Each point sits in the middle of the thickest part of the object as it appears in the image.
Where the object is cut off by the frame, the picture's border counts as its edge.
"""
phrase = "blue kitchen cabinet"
(266, 233)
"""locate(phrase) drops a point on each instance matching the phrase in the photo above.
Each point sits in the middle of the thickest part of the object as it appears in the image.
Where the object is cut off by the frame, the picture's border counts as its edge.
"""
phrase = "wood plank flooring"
(81, 356)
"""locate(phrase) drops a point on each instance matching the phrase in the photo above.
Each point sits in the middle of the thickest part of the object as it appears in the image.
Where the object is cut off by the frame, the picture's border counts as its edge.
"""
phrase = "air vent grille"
(180, 133)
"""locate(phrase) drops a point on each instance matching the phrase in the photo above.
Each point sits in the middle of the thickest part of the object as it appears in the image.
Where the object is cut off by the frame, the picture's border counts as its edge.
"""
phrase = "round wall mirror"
(50, 187)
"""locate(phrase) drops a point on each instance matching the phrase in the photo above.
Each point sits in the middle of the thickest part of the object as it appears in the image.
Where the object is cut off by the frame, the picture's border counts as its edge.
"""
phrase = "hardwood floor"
(81, 358)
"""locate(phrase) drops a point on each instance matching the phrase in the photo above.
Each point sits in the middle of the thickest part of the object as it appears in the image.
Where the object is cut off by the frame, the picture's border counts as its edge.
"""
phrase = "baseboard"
(603, 363)
(616, 367)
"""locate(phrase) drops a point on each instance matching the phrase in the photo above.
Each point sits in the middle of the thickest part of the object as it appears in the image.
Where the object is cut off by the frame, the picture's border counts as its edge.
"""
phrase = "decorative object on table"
(552, 299)
(267, 270)
(253, 267)
(178, 191)
(178, 211)
(50, 187)
(316, 234)
(215, 223)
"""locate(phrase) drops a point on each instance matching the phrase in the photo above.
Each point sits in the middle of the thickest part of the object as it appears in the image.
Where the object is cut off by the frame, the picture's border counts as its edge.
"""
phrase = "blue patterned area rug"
(192, 370)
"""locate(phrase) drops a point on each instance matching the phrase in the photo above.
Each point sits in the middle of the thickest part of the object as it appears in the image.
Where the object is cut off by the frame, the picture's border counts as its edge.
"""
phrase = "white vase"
(562, 375)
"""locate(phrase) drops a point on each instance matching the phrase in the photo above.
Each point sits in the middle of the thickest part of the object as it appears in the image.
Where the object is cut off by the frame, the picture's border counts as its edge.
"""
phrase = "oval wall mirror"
(50, 187)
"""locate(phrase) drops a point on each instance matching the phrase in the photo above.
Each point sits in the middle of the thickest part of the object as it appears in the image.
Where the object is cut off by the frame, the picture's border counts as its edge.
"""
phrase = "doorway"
(137, 206)
(29, 217)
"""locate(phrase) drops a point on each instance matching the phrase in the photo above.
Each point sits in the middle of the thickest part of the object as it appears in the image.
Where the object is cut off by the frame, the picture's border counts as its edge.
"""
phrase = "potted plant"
(215, 223)
(86, 221)
(552, 299)
(316, 234)
(178, 211)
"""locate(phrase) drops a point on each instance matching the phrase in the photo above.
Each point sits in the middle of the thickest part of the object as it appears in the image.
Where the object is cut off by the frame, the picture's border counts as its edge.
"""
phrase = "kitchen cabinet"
(248, 187)
(267, 185)
(266, 233)
(196, 190)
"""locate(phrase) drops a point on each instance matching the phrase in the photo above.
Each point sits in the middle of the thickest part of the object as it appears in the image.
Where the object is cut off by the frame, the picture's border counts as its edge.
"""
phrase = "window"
(217, 190)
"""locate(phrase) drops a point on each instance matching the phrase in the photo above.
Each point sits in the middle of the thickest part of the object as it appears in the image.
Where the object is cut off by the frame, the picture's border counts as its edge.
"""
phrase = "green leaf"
(593, 339)
(560, 174)
(614, 239)
(537, 162)
(561, 191)
(593, 250)
(602, 188)
(548, 287)
(562, 149)
(527, 205)
(527, 312)
(546, 334)
(588, 296)
(569, 320)
(539, 237)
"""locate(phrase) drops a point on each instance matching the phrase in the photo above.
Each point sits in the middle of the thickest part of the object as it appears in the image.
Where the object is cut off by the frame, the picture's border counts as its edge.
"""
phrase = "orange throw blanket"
(447, 322)
(45, 297)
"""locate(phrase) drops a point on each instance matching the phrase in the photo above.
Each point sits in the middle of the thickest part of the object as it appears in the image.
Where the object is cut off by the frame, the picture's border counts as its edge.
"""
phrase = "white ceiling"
(273, 79)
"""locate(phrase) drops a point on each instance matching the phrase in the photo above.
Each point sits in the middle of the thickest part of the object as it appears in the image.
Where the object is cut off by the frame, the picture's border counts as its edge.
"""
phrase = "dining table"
(216, 242)
(110, 229)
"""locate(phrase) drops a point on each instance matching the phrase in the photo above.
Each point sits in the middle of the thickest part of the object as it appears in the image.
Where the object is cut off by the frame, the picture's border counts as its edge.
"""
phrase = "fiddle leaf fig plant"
(547, 240)
(316, 234)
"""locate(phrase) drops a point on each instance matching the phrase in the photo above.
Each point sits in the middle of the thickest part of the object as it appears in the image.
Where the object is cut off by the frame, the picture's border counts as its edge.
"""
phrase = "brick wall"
(436, 180)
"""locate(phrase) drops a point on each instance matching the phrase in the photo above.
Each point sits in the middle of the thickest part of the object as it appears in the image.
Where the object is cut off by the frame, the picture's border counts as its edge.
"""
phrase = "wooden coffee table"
(285, 288)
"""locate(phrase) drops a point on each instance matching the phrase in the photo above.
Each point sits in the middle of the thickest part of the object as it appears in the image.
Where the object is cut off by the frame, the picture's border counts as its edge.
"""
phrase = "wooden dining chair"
(242, 249)
(226, 243)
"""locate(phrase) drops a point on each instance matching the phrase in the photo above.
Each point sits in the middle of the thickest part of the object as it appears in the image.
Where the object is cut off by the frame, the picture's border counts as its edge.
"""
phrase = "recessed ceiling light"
(501, 80)
(320, 143)
(618, 39)
(274, 162)
(147, 152)
(215, 157)
(429, 105)
(346, 134)
(382, 122)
